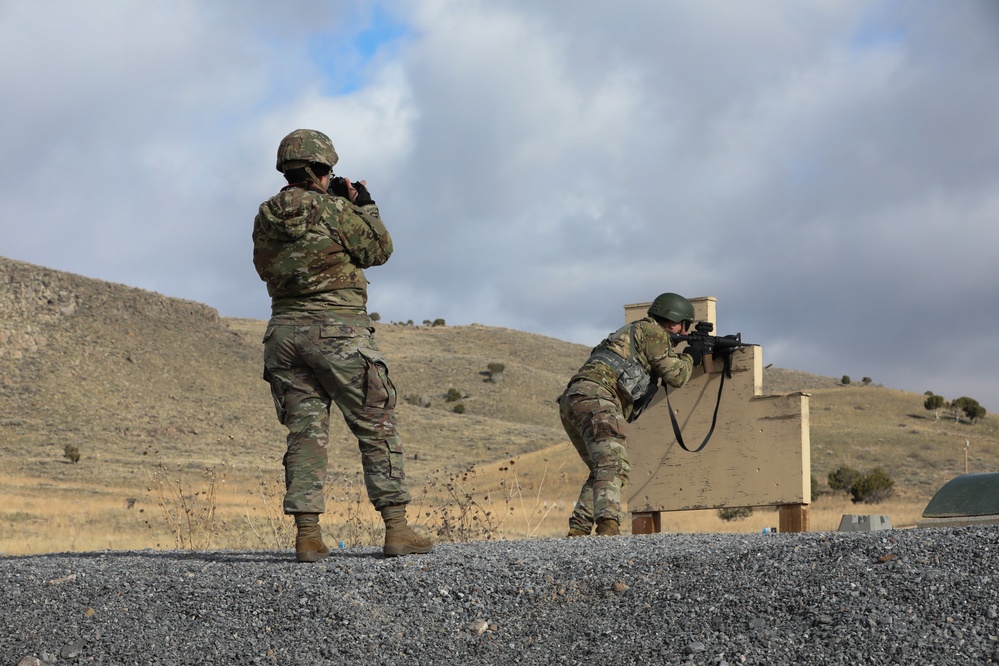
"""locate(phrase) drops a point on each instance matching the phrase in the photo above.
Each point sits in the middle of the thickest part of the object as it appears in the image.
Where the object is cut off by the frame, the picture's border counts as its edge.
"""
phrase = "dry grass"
(530, 496)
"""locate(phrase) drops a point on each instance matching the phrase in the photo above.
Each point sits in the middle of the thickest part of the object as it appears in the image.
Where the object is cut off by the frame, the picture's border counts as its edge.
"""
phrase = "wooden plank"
(646, 523)
(792, 518)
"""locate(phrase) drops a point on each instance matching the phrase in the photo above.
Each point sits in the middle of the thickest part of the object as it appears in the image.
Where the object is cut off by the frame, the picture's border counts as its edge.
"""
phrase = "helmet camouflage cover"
(305, 146)
(673, 307)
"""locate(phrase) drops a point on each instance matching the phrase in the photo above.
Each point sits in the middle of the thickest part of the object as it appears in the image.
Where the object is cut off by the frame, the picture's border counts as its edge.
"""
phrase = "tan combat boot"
(577, 532)
(400, 539)
(309, 546)
(608, 527)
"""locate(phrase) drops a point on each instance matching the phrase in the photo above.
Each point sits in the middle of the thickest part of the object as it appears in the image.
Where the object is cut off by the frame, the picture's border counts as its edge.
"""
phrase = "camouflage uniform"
(595, 412)
(319, 349)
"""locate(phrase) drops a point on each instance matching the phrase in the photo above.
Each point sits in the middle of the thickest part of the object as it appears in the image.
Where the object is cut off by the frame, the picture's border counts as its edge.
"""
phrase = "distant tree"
(426, 322)
(439, 322)
(375, 316)
(873, 488)
(845, 379)
(816, 491)
(866, 381)
(970, 407)
(842, 478)
(934, 403)
(494, 372)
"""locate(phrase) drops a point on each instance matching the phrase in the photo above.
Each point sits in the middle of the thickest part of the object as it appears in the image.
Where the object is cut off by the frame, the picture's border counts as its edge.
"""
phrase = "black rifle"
(709, 347)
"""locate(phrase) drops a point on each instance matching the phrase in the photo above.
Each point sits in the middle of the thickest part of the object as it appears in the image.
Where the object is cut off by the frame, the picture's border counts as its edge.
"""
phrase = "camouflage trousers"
(310, 368)
(592, 418)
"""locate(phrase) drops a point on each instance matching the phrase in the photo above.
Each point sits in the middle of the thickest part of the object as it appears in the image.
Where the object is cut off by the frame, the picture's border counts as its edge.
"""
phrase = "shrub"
(934, 403)
(842, 478)
(873, 488)
(439, 322)
(845, 379)
(417, 400)
(735, 513)
(459, 408)
(866, 381)
(71, 452)
(494, 372)
(970, 407)
(453, 395)
(375, 316)
(816, 491)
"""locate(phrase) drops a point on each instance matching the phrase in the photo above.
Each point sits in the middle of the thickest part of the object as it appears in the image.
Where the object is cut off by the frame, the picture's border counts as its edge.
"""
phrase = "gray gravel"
(924, 596)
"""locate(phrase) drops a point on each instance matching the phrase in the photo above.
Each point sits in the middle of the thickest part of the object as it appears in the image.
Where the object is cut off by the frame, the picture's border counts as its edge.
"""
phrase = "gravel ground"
(920, 596)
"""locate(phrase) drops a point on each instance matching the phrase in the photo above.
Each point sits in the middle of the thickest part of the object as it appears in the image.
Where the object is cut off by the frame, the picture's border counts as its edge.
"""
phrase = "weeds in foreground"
(191, 517)
(450, 507)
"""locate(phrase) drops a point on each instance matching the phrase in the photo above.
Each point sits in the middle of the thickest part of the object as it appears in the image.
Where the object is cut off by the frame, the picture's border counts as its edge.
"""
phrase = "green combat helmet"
(673, 307)
(303, 147)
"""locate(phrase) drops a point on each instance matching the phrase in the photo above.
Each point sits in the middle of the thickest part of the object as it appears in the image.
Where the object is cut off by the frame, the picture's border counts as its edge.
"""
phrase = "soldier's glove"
(338, 187)
(363, 196)
(695, 353)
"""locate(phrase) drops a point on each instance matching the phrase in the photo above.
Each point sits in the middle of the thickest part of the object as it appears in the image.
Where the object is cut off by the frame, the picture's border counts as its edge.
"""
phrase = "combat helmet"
(673, 307)
(303, 147)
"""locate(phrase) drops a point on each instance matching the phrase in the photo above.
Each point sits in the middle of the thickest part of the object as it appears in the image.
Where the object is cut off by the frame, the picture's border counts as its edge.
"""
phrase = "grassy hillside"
(164, 400)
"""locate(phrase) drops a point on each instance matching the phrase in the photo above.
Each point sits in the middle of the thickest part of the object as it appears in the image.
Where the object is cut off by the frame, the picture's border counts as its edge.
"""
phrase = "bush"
(866, 381)
(71, 452)
(417, 400)
(933, 402)
(735, 513)
(439, 322)
(845, 379)
(843, 478)
(970, 407)
(816, 491)
(494, 372)
(873, 488)
(375, 316)
(459, 408)
(453, 395)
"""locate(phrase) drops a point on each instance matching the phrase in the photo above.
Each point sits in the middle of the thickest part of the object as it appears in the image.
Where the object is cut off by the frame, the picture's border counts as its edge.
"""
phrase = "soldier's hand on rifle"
(695, 352)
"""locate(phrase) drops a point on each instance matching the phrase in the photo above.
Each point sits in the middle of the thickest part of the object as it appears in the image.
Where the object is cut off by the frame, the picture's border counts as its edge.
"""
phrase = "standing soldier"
(610, 390)
(310, 244)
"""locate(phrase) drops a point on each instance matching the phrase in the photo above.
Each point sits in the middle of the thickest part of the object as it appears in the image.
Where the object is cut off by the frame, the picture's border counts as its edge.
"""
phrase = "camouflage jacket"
(310, 249)
(652, 349)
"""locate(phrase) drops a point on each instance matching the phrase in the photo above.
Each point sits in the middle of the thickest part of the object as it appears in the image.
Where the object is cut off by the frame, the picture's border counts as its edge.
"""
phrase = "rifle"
(708, 347)
(711, 346)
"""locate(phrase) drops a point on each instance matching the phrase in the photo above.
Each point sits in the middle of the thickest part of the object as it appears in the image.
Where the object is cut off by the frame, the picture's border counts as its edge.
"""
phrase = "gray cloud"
(828, 171)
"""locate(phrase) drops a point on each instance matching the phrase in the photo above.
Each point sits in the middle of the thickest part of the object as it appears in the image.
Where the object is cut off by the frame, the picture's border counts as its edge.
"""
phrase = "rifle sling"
(714, 418)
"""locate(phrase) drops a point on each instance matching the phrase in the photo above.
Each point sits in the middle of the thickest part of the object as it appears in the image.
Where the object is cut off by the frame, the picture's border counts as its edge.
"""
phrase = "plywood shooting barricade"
(758, 455)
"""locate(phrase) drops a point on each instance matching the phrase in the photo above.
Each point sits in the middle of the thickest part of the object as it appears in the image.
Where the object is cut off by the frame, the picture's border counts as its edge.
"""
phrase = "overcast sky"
(828, 169)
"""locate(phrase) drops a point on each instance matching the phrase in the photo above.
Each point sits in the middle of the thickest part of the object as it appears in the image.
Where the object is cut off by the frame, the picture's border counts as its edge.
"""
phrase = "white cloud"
(827, 170)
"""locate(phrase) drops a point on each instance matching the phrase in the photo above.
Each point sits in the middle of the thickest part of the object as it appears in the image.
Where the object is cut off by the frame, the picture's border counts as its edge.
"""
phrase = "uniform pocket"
(379, 391)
